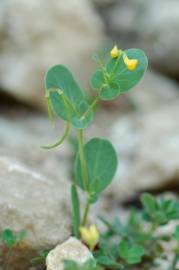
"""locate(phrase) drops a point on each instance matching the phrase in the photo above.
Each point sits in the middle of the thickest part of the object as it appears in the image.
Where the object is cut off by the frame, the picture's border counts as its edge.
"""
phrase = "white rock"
(38, 34)
(72, 249)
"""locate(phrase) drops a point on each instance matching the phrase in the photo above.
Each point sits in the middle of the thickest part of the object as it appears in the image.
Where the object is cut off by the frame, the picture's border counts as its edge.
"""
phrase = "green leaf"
(75, 211)
(132, 255)
(59, 81)
(8, 238)
(149, 203)
(97, 79)
(176, 233)
(101, 161)
(115, 78)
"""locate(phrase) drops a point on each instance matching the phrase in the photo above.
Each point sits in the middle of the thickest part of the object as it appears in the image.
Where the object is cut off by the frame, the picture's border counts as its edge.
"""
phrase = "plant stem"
(82, 159)
(90, 107)
(85, 215)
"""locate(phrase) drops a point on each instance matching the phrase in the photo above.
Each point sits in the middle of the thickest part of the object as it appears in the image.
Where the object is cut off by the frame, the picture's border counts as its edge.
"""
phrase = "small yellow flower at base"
(90, 236)
(115, 52)
(130, 63)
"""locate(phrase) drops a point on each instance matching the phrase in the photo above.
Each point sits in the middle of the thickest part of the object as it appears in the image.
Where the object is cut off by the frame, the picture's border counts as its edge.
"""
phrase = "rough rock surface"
(151, 25)
(72, 249)
(37, 34)
(34, 187)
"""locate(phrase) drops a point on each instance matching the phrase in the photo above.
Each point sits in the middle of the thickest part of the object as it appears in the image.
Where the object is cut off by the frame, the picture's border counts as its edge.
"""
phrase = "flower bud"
(90, 236)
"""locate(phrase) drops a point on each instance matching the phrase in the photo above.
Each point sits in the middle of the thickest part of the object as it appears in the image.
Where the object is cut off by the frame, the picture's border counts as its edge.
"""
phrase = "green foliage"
(96, 161)
(76, 220)
(12, 239)
(88, 265)
(115, 78)
(131, 254)
(40, 259)
(101, 161)
(160, 212)
(137, 244)
(66, 98)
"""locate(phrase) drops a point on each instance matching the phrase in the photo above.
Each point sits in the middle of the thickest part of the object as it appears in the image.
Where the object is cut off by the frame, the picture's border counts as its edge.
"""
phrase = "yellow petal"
(115, 52)
(130, 63)
(90, 236)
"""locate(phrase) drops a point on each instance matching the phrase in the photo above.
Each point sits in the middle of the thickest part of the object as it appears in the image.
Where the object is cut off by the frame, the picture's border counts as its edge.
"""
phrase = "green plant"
(138, 243)
(96, 160)
(88, 265)
(11, 240)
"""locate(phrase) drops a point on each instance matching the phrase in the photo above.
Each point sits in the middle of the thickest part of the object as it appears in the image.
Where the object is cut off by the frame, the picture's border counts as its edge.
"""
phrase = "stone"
(38, 34)
(150, 26)
(35, 191)
(32, 202)
(148, 149)
(72, 249)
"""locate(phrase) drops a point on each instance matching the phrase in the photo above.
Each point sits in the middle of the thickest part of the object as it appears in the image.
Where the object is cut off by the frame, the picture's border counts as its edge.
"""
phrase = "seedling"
(11, 240)
(96, 160)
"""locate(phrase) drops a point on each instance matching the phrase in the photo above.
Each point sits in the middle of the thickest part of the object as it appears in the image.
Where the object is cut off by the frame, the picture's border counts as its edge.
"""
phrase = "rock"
(35, 191)
(148, 149)
(72, 249)
(38, 34)
(30, 201)
(150, 26)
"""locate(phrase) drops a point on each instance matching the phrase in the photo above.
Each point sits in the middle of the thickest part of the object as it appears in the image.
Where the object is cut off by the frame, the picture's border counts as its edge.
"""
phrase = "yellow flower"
(115, 52)
(130, 63)
(90, 236)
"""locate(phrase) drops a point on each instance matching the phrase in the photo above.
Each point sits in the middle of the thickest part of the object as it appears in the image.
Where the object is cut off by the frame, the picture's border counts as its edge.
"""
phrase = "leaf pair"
(11, 239)
(101, 162)
(115, 78)
(133, 254)
(66, 98)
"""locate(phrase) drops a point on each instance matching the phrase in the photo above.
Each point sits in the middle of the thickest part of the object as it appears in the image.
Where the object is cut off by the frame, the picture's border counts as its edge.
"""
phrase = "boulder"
(72, 249)
(38, 34)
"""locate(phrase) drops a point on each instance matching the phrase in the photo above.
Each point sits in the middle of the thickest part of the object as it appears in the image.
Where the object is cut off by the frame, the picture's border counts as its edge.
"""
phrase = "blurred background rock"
(143, 124)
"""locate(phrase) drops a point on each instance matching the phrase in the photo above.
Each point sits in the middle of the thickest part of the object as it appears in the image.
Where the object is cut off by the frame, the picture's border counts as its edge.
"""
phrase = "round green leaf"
(101, 161)
(97, 79)
(59, 77)
(120, 78)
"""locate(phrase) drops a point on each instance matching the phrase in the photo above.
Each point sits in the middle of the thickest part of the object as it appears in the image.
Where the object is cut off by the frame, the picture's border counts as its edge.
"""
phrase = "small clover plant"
(96, 160)
(11, 240)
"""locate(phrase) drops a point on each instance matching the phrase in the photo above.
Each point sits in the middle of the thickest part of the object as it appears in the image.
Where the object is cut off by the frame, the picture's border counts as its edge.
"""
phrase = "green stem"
(82, 159)
(90, 107)
(85, 215)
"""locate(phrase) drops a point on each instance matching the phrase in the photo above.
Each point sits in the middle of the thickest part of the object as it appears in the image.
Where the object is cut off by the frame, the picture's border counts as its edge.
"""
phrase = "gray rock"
(38, 34)
(72, 249)
(35, 191)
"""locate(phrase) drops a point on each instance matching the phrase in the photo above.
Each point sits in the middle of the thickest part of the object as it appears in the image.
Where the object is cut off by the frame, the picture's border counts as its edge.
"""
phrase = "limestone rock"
(37, 34)
(30, 201)
(72, 249)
